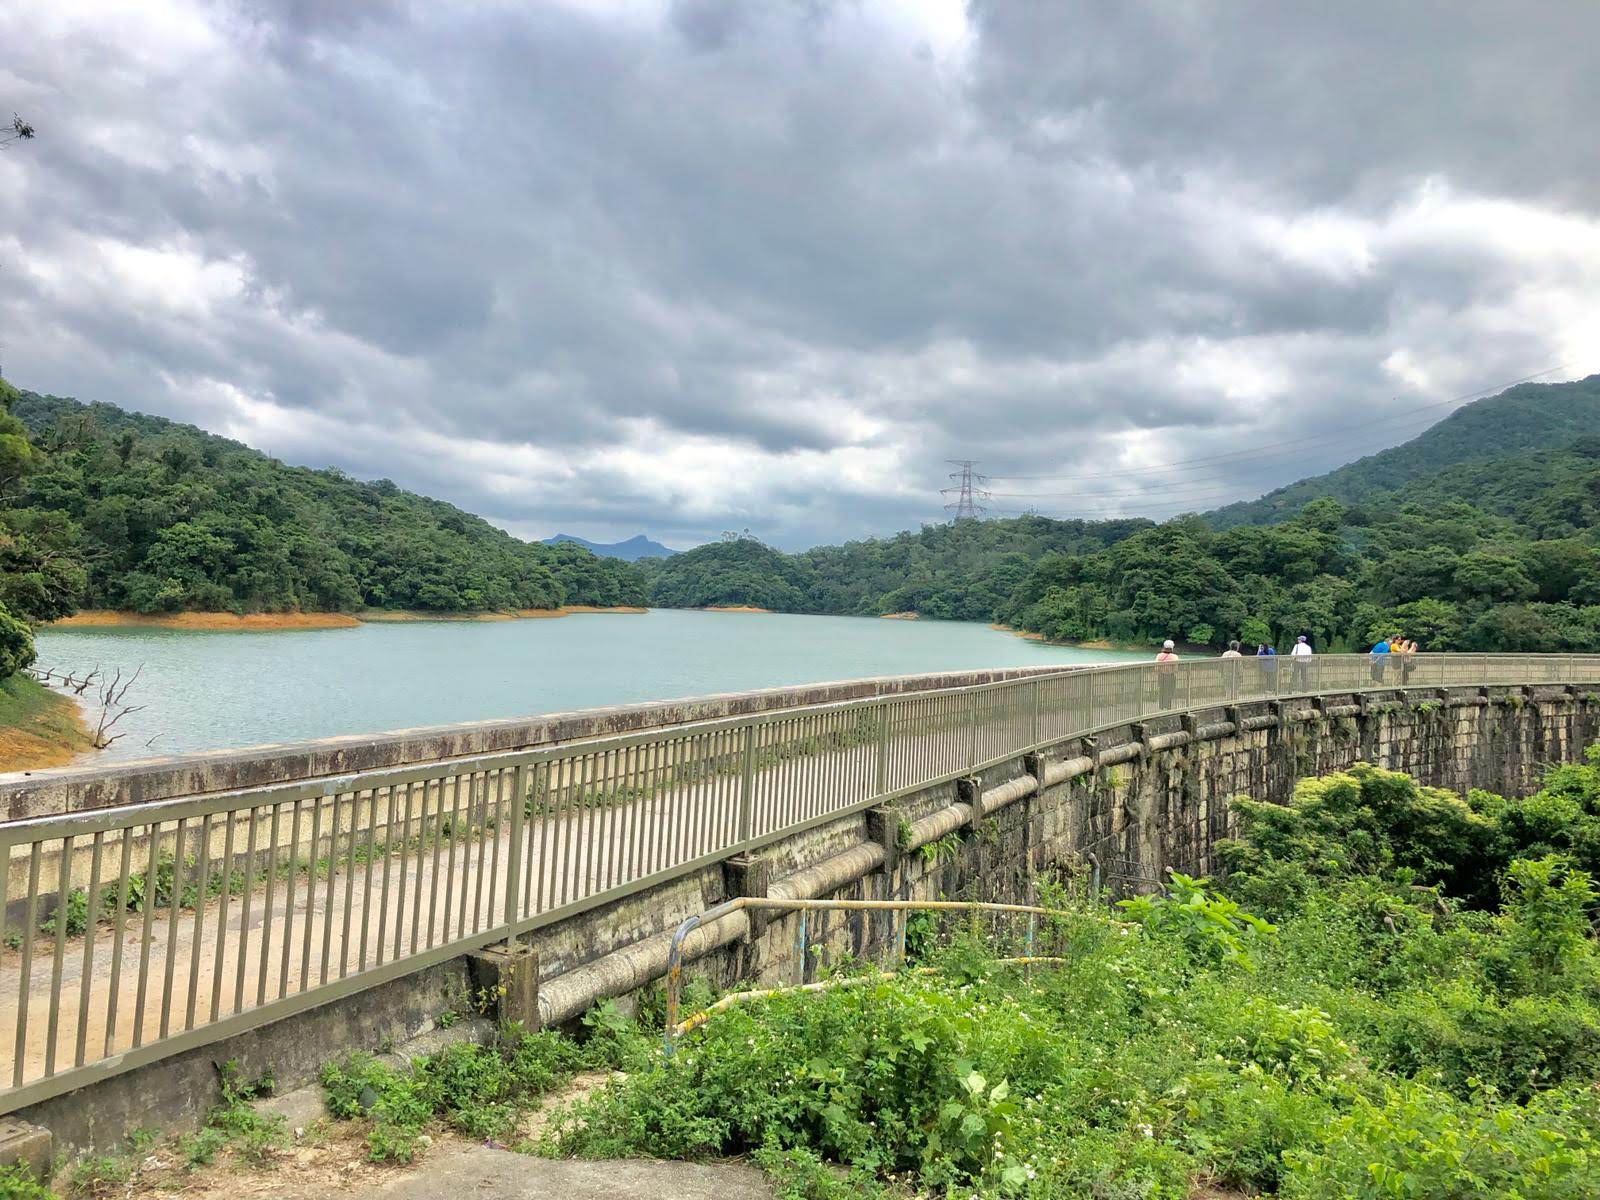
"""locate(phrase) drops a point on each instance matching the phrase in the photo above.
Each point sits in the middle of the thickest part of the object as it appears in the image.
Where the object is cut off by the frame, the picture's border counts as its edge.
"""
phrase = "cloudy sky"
(606, 266)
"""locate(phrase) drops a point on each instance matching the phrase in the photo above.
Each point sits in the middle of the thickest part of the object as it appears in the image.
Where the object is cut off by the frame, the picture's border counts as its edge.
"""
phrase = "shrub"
(1208, 928)
(476, 1089)
(18, 1183)
(16, 644)
(1415, 1141)
(1364, 821)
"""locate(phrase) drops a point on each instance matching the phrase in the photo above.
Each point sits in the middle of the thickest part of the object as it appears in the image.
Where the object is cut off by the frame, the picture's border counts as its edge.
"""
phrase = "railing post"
(747, 783)
(1088, 715)
(972, 729)
(880, 771)
(1035, 730)
(519, 816)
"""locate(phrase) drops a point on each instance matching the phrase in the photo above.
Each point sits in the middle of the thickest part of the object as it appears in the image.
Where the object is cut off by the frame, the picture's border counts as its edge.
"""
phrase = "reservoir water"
(205, 691)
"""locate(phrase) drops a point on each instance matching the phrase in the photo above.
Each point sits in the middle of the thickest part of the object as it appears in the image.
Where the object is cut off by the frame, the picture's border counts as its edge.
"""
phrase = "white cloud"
(609, 265)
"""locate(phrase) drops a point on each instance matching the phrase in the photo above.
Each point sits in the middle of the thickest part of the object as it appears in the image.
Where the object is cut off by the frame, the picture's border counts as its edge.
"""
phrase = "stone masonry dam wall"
(1133, 801)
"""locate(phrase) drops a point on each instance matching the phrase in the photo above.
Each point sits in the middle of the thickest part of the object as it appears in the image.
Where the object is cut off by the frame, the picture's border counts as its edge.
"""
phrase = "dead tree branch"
(114, 706)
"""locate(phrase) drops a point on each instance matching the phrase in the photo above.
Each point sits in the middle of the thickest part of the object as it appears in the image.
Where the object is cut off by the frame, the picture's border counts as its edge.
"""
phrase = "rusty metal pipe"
(738, 903)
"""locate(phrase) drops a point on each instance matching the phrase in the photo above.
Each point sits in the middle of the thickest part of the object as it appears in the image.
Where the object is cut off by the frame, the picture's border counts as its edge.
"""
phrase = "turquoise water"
(204, 691)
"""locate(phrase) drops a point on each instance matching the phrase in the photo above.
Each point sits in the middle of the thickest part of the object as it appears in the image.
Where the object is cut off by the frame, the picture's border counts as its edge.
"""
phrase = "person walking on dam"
(1300, 660)
(1231, 671)
(1267, 660)
(1167, 675)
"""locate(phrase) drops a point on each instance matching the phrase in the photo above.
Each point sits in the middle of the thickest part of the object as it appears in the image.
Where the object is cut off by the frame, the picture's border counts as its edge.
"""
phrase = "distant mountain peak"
(635, 548)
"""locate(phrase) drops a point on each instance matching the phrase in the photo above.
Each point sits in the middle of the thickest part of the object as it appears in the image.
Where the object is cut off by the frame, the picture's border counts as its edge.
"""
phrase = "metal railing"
(129, 934)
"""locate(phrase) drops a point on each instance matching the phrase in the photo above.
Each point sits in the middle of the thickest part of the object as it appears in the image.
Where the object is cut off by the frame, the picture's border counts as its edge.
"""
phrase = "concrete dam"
(280, 905)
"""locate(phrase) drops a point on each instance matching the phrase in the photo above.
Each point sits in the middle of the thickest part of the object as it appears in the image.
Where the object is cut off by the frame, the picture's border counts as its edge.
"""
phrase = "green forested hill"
(164, 517)
(1530, 416)
(1502, 554)
(957, 572)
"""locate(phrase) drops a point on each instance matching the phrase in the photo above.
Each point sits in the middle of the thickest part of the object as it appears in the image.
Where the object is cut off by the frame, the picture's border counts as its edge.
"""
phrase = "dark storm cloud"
(697, 265)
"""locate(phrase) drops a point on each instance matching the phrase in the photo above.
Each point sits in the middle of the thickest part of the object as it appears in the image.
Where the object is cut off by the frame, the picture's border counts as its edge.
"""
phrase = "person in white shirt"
(1231, 671)
(1301, 656)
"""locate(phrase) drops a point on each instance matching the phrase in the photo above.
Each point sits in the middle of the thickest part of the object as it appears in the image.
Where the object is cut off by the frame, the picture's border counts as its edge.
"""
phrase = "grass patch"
(479, 1091)
(38, 728)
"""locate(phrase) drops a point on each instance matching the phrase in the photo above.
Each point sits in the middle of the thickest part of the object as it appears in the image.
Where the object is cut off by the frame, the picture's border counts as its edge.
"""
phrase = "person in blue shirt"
(1379, 658)
(1267, 654)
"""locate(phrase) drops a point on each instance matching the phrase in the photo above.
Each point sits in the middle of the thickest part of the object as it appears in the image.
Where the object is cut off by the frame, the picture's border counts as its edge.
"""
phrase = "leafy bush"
(1414, 1141)
(18, 1183)
(16, 644)
(1208, 928)
(1364, 821)
(476, 1089)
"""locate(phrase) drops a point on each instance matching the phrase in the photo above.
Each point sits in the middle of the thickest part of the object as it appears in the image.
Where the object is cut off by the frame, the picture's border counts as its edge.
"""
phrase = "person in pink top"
(1167, 674)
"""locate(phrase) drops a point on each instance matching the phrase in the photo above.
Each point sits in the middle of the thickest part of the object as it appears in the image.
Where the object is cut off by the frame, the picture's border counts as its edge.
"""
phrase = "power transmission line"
(967, 487)
(19, 131)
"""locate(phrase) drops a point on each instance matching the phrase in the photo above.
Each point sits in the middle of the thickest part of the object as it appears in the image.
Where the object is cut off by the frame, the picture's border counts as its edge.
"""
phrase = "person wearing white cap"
(1167, 674)
(1300, 660)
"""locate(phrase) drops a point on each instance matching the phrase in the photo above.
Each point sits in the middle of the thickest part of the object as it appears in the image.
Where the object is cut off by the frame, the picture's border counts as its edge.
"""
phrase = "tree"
(1432, 624)
(1493, 575)
(17, 457)
(16, 644)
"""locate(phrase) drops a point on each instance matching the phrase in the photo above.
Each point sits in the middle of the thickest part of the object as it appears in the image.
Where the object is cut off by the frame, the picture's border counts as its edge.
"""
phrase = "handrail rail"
(276, 898)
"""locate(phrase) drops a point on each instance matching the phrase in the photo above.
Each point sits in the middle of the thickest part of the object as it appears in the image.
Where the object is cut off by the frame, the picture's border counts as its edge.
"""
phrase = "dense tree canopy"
(105, 508)
(964, 571)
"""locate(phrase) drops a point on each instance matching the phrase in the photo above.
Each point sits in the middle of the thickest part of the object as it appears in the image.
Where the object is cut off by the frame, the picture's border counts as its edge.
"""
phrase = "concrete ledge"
(936, 824)
(568, 996)
(24, 1145)
(1066, 769)
(176, 1093)
(1167, 741)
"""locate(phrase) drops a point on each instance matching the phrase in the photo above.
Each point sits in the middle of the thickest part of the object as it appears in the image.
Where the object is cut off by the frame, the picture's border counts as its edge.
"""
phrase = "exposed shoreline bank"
(38, 727)
(114, 619)
(1090, 644)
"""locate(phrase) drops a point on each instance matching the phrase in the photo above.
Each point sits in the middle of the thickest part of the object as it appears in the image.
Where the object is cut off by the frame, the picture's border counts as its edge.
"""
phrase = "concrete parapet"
(77, 789)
